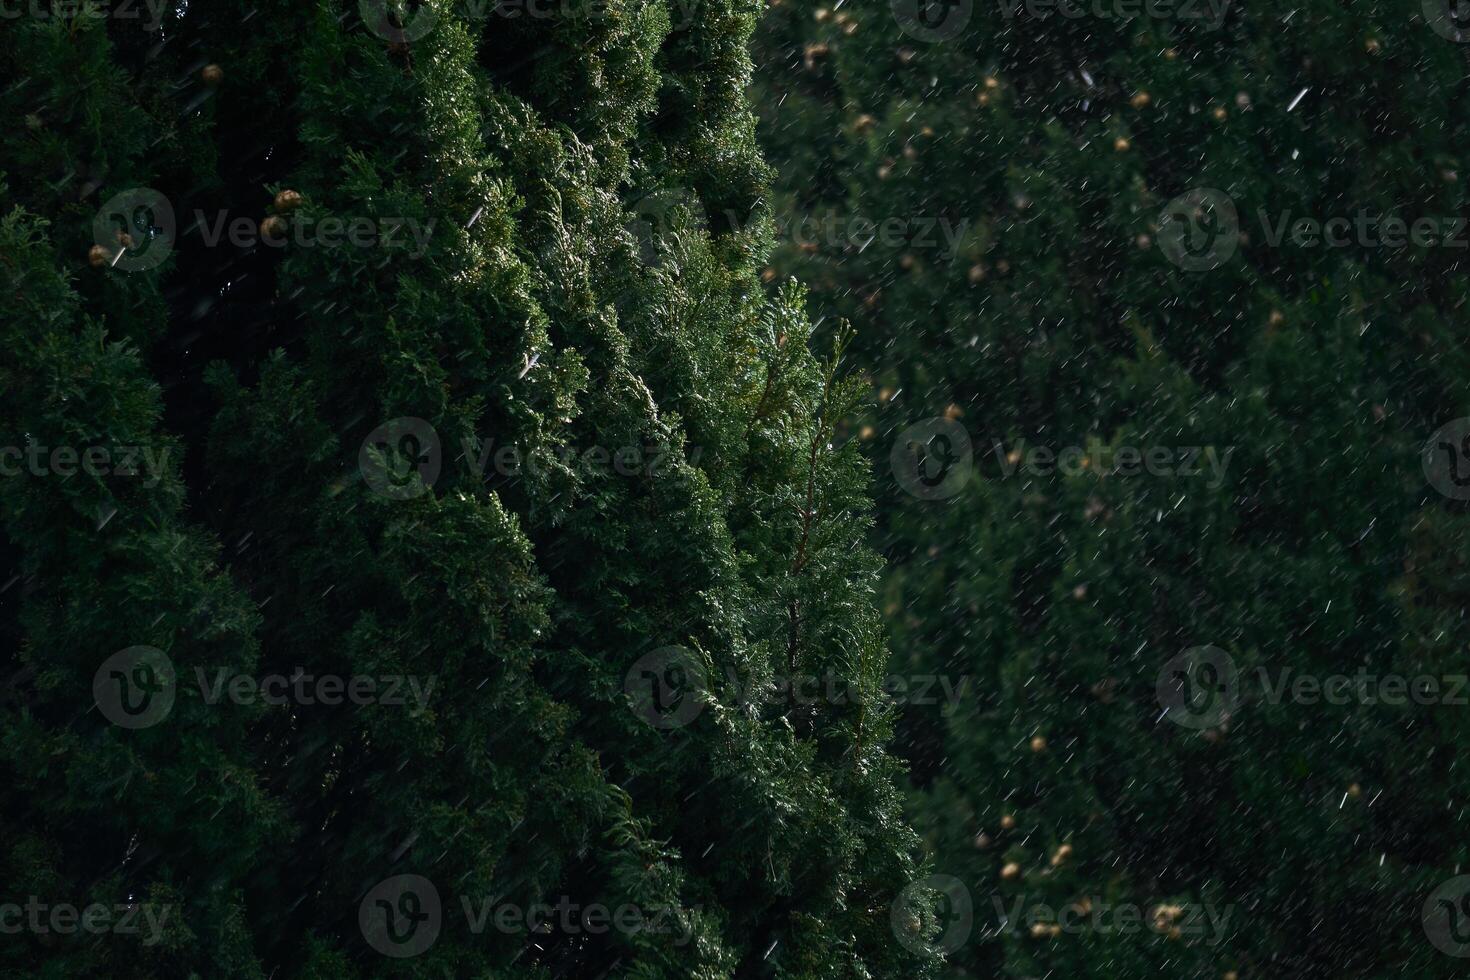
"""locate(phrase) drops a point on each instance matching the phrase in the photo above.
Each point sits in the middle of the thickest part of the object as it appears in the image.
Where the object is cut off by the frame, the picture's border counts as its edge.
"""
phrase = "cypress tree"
(460, 376)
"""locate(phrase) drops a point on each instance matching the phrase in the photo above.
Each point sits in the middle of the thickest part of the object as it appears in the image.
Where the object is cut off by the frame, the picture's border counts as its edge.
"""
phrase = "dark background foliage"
(1058, 319)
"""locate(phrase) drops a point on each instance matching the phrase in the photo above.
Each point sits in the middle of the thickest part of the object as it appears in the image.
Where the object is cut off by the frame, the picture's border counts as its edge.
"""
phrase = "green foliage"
(1058, 319)
(530, 315)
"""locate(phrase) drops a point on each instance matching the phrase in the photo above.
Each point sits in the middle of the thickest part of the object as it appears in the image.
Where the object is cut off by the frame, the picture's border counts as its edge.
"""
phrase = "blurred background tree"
(1120, 175)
